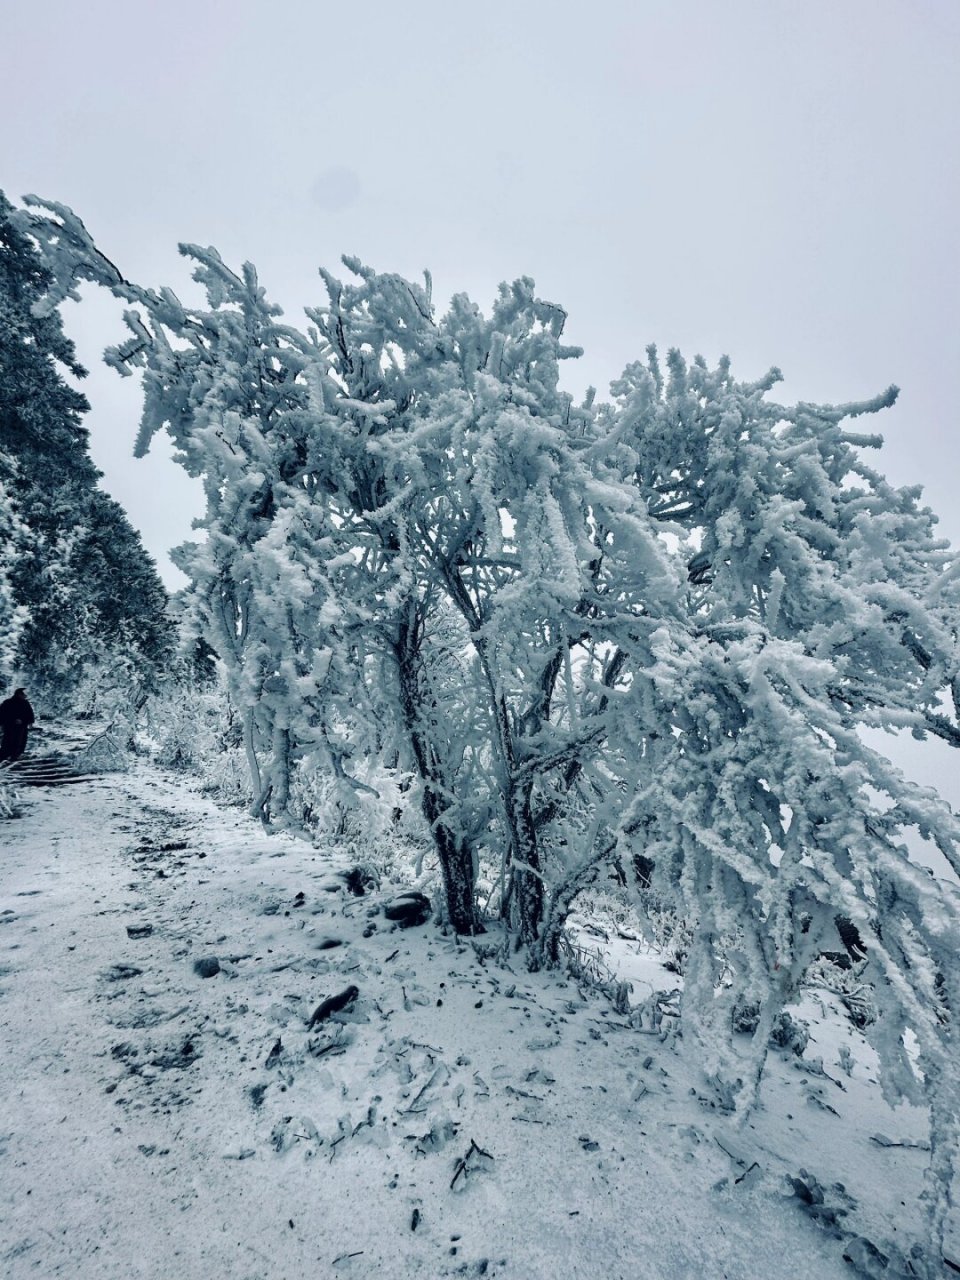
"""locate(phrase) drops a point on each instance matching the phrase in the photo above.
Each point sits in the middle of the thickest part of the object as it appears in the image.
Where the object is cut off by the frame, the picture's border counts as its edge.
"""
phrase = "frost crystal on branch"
(641, 633)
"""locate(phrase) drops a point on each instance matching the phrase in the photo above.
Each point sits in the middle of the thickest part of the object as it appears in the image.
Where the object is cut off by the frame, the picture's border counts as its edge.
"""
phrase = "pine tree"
(79, 579)
(12, 615)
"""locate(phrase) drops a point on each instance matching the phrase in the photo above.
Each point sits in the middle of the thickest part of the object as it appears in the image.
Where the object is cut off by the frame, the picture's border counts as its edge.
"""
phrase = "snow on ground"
(460, 1117)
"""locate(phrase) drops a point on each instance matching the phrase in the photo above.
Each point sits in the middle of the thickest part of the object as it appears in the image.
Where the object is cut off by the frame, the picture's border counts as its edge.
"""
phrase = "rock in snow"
(408, 909)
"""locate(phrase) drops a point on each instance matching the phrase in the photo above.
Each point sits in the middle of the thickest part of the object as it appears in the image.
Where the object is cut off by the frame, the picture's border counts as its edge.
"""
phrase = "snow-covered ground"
(460, 1117)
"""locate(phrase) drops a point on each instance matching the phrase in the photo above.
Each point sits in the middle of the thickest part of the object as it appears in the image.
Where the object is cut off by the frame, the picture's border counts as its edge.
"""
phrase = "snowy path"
(156, 1123)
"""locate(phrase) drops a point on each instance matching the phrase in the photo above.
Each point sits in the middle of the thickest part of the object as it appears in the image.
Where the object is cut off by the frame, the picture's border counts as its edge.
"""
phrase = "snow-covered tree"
(78, 577)
(13, 616)
(227, 383)
(647, 632)
(818, 602)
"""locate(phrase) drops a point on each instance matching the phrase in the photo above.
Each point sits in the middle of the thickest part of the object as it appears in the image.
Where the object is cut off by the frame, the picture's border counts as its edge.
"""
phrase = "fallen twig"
(413, 1107)
(463, 1164)
(883, 1141)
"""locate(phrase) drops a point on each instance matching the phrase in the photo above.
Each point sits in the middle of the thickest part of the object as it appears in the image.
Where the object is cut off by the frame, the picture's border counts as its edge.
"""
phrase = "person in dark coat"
(16, 717)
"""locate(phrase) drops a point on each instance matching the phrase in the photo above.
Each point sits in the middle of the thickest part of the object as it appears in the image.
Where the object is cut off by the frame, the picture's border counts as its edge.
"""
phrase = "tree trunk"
(280, 770)
(457, 868)
(457, 864)
(528, 889)
(562, 900)
(259, 807)
(524, 865)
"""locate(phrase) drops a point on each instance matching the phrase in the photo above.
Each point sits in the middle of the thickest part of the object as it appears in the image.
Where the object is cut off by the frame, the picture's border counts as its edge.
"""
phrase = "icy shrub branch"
(642, 631)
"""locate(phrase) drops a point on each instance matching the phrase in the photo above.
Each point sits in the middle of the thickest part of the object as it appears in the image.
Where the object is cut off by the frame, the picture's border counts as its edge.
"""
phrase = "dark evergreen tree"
(79, 583)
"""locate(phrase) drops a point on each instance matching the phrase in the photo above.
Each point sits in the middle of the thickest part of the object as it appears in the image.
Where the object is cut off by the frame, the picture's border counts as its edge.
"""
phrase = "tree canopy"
(639, 637)
(75, 581)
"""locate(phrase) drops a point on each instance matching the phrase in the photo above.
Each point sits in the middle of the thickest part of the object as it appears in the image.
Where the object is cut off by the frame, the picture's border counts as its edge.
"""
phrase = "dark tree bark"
(457, 863)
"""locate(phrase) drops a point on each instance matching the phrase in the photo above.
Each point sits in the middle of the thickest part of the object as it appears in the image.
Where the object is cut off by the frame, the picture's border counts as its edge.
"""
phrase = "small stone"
(207, 966)
(332, 1005)
(408, 909)
(359, 880)
(139, 930)
(864, 1256)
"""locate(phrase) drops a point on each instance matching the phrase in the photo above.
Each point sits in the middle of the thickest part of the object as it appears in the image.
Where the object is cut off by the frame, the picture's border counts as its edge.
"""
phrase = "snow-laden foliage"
(74, 579)
(190, 726)
(13, 616)
(641, 636)
(9, 800)
(819, 602)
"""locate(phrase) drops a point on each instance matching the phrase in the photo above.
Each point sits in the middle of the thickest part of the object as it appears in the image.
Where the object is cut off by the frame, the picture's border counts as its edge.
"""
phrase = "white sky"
(777, 181)
(772, 179)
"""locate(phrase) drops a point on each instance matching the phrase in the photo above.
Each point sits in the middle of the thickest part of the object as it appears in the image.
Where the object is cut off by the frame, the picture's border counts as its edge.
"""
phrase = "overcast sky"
(776, 181)
(773, 181)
